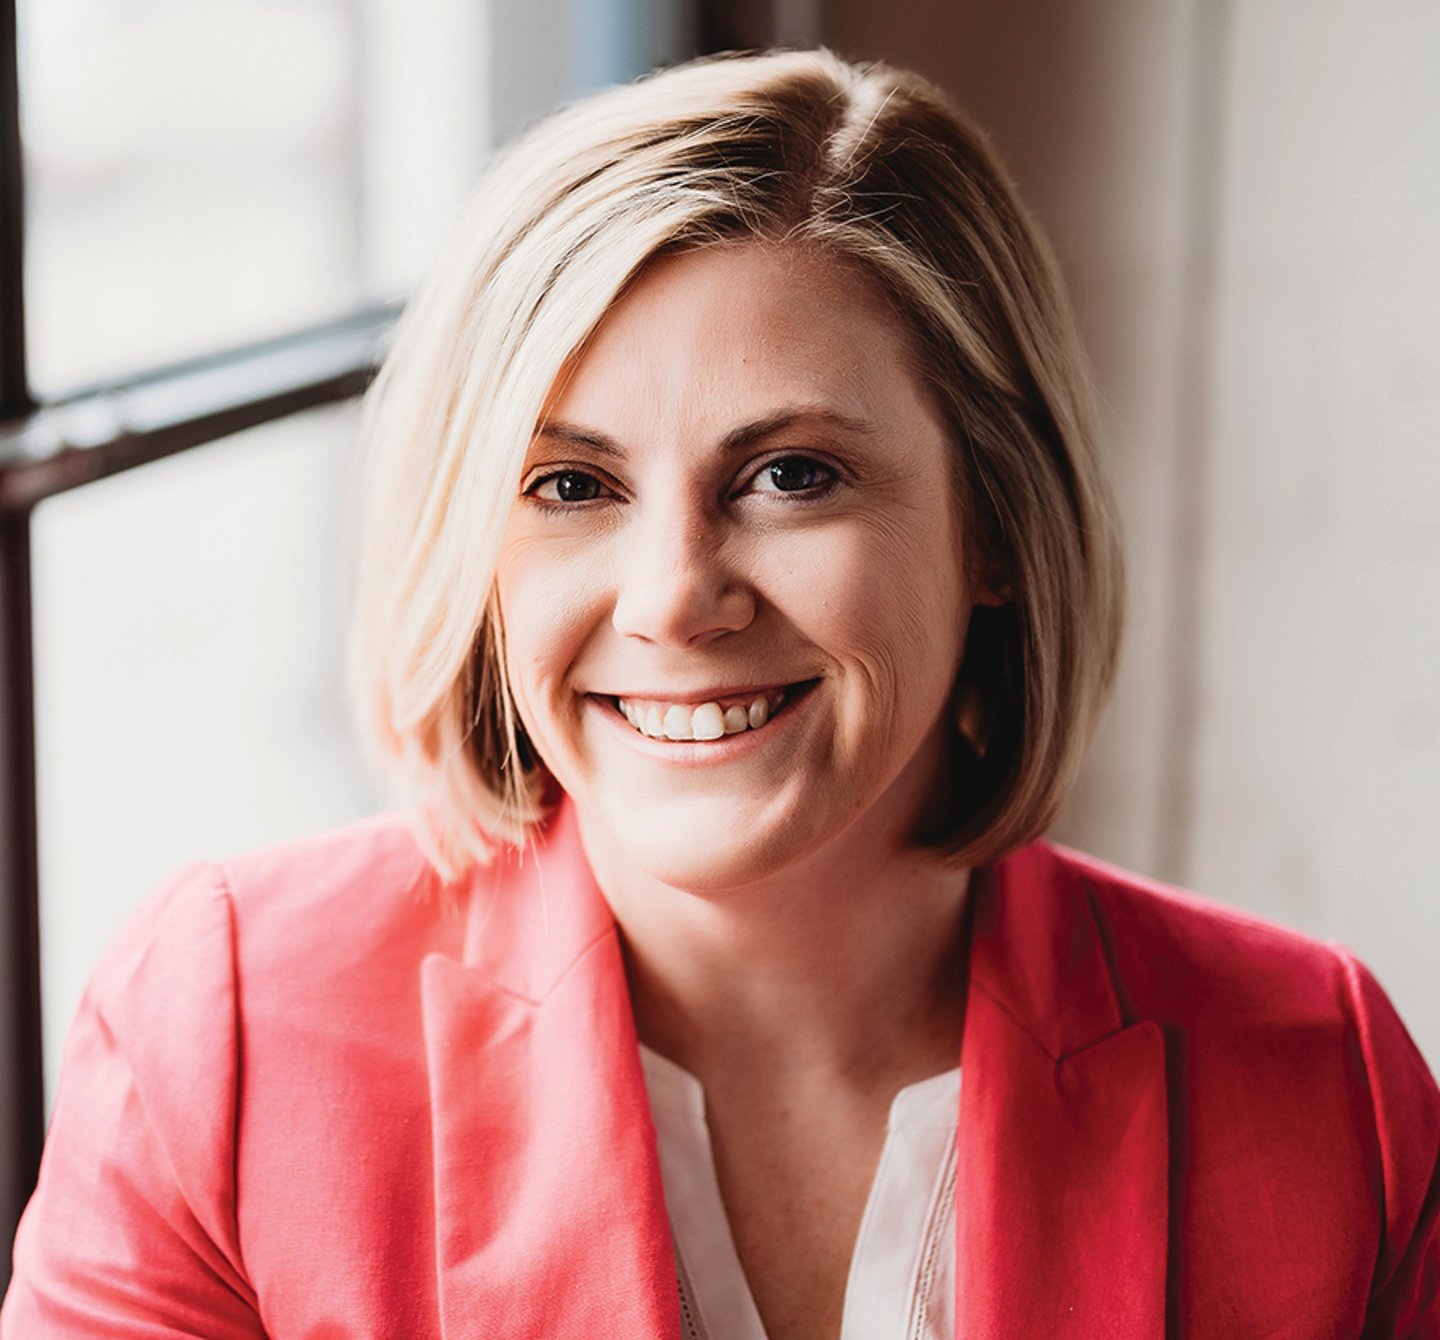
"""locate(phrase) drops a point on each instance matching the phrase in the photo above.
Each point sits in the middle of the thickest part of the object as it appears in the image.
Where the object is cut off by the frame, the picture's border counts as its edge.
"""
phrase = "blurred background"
(1245, 200)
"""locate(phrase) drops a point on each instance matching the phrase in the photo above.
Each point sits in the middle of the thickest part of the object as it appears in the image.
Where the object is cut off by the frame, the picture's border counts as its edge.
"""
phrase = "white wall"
(1316, 778)
(1245, 197)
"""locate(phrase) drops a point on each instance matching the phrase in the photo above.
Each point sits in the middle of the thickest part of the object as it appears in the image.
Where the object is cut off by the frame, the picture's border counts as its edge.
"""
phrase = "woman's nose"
(675, 586)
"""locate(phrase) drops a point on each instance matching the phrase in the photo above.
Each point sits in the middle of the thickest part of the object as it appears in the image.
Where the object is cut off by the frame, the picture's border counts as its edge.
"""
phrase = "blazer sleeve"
(1405, 1295)
(132, 1229)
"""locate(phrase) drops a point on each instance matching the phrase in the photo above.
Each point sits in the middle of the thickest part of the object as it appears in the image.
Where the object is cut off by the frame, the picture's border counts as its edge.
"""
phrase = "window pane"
(203, 173)
(191, 176)
(189, 624)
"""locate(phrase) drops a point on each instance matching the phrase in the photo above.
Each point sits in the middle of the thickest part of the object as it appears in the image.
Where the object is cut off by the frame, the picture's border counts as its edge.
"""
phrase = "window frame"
(48, 448)
(22, 1114)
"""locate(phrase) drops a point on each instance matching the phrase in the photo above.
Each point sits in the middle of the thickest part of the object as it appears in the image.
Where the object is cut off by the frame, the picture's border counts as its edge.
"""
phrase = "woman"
(739, 591)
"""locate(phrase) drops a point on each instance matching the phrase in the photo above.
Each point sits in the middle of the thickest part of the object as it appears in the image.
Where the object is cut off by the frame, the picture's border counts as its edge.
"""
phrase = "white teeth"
(679, 723)
(708, 722)
(705, 721)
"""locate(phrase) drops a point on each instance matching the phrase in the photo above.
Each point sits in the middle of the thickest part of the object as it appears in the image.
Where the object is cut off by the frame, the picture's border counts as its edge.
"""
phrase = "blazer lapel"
(538, 1102)
(550, 1220)
(1062, 1189)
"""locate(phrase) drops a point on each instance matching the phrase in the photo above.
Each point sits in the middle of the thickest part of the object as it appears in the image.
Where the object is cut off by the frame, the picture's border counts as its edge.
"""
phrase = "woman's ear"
(982, 688)
(988, 579)
(967, 714)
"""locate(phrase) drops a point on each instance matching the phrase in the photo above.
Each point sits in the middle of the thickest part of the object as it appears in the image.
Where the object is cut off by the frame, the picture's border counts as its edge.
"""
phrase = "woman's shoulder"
(291, 970)
(1177, 951)
(299, 916)
(1248, 1001)
(257, 1023)
(366, 882)
(1284, 1057)
(1238, 989)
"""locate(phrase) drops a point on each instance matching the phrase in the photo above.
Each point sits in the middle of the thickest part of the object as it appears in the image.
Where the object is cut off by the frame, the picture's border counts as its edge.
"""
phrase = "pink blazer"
(302, 1101)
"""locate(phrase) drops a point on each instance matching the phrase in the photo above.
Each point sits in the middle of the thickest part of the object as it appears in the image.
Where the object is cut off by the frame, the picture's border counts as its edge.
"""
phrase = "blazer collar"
(535, 913)
(1038, 950)
(548, 1206)
(1063, 1144)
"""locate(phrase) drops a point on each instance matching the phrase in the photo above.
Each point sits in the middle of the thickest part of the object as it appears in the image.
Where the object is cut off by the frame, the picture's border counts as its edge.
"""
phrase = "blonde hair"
(867, 163)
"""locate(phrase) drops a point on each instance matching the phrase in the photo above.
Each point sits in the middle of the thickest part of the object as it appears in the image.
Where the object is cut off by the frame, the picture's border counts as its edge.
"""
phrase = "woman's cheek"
(549, 606)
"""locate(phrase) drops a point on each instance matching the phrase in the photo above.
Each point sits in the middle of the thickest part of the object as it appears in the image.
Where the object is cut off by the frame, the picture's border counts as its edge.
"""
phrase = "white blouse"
(902, 1277)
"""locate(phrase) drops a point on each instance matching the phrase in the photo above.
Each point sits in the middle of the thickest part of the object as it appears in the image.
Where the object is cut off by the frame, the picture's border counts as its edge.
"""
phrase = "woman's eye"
(793, 474)
(567, 486)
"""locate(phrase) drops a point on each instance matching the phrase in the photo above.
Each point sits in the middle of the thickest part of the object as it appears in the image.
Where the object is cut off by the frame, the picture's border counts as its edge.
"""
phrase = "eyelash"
(559, 504)
(830, 476)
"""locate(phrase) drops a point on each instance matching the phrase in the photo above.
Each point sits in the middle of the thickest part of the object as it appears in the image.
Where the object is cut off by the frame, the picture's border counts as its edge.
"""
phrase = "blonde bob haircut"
(866, 163)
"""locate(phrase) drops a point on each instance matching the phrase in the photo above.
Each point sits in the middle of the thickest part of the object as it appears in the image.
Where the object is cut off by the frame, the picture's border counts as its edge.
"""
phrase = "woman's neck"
(846, 969)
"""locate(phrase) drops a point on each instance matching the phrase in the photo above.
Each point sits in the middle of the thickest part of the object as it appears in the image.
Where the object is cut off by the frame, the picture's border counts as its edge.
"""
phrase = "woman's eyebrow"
(581, 437)
(758, 429)
(745, 435)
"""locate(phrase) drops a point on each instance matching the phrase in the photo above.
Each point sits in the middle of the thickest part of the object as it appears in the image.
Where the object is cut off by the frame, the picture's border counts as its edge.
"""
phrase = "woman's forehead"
(722, 335)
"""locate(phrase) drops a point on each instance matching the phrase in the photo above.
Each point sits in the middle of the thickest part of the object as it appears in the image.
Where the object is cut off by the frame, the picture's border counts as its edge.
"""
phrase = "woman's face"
(732, 588)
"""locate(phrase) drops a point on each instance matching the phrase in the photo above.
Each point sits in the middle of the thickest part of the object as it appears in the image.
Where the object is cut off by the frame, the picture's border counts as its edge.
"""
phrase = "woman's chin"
(707, 851)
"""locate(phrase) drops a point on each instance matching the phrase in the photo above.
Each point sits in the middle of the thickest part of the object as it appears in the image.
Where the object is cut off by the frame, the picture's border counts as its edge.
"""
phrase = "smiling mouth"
(712, 720)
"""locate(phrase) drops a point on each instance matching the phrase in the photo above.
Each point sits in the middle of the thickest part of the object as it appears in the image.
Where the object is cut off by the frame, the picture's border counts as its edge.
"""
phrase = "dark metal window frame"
(47, 449)
(21, 1093)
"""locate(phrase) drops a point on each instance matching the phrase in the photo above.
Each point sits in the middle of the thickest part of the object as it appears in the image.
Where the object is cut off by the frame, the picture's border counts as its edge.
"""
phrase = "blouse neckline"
(901, 1280)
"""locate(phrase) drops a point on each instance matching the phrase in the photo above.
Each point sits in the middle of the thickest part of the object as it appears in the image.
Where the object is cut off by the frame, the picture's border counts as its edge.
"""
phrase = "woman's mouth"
(713, 719)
